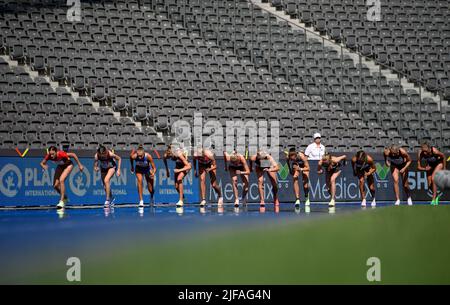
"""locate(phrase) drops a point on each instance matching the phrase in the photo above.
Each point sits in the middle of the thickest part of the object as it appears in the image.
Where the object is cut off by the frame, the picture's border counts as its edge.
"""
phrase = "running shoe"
(236, 204)
(410, 201)
(363, 203)
(111, 201)
(60, 204)
(307, 202)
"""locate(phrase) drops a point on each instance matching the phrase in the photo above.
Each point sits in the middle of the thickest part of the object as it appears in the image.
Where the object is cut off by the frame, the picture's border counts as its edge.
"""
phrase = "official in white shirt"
(315, 150)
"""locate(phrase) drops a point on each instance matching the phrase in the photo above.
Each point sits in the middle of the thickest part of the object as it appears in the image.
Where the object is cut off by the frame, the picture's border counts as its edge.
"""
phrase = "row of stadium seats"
(47, 119)
(304, 63)
(158, 72)
(42, 117)
(161, 63)
(412, 37)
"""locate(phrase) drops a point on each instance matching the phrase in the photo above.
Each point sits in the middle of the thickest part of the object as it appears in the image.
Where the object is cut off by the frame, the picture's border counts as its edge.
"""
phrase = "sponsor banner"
(347, 187)
(24, 183)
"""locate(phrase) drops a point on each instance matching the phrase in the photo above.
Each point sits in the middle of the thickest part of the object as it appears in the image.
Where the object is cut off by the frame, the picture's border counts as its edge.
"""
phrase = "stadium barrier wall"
(23, 183)
(347, 187)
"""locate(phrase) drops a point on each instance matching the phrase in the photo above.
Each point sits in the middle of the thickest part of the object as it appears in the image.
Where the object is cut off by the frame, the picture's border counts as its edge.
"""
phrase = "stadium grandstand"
(127, 70)
(224, 142)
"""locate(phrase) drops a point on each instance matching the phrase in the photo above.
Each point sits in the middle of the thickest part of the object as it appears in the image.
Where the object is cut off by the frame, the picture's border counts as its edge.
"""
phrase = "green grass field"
(411, 242)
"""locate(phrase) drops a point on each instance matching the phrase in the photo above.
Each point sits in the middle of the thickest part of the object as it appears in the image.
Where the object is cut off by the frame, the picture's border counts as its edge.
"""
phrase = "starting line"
(212, 205)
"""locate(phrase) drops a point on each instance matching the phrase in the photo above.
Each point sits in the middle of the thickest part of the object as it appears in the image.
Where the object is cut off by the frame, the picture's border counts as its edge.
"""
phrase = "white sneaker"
(373, 203)
(332, 203)
(60, 204)
(397, 202)
(179, 203)
(410, 201)
(106, 203)
(297, 202)
(220, 201)
(307, 202)
(236, 203)
(363, 203)
(141, 203)
(202, 203)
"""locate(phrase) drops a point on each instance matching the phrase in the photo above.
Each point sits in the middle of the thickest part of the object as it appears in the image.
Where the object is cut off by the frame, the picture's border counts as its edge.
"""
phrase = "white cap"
(317, 135)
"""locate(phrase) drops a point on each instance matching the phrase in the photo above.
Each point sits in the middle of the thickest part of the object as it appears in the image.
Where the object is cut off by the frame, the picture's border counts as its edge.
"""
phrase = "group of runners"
(430, 160)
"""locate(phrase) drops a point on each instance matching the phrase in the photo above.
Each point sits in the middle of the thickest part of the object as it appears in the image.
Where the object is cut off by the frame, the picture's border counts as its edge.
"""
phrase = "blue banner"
(347, 186)
(24, 183)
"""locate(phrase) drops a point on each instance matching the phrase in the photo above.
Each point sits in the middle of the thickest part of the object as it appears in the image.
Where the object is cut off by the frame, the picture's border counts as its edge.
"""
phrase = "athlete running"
(237, 166)
(145, 167)
(434, 162)
(332, 166)
(206, 165)
(63, 169)
(182, 167)
(399, 161)
(105, 161)
(299, 165)
(364, 168)
(265, 163)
